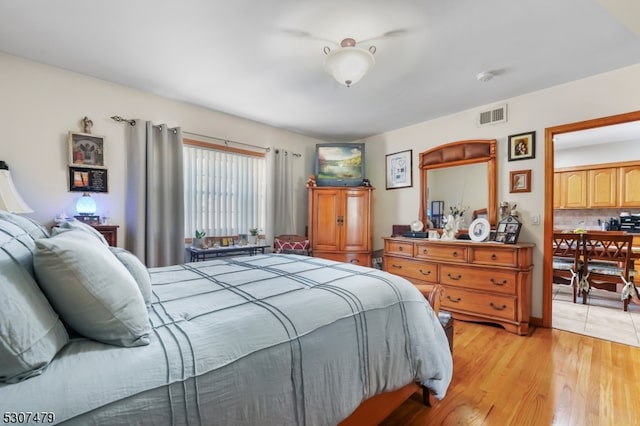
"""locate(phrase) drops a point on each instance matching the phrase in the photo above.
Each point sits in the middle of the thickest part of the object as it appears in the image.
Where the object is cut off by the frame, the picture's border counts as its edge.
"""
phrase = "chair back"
(613, 249)
(567, 248)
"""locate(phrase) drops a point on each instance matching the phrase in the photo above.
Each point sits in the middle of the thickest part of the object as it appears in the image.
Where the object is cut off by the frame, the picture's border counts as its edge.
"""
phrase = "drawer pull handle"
(455, 254)
(400, 248)
(498, 308)
(498, 283)
(425, 251)
(354, 261)
(454, 278)
(396, 266)
(456, 300)
(493, 256)
(424, 273)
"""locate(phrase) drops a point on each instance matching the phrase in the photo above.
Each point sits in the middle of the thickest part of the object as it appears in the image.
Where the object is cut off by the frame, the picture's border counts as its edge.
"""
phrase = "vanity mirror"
(464, 172)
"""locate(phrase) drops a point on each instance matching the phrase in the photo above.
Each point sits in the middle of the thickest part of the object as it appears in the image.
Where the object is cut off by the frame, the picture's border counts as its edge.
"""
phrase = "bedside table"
(110, 233)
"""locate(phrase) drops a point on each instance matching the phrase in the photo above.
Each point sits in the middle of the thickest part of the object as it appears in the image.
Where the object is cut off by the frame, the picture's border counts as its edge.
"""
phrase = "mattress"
(267, 339)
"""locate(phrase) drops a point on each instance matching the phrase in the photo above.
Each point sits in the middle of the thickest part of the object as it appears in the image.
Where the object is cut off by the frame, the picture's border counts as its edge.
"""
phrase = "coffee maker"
(614, 224)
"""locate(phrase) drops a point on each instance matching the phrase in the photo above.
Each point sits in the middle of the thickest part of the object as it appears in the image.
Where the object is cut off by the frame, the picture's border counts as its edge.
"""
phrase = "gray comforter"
(268, 340)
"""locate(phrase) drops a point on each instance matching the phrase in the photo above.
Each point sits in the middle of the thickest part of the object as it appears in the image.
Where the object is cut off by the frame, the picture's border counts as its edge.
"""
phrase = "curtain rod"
(226, 141)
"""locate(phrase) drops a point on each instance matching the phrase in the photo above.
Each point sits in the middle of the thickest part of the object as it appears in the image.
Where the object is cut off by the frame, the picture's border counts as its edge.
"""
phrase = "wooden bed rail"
(377, 408)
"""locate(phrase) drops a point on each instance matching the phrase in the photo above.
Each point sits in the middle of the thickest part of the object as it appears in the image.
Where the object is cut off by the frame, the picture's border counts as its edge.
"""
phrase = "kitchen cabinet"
(629, 186)
(340, 224)
(603, 188)
(573, 189)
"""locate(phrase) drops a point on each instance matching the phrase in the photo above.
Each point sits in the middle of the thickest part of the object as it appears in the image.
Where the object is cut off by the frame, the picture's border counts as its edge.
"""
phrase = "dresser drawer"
(402, 248)
(445, 252)
(424, 271)
(495, 256)
(493, 280)
(483, 304)
(362, 259)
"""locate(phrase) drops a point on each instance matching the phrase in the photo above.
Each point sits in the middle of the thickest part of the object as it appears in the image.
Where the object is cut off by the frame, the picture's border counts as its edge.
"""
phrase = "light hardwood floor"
(551, 377)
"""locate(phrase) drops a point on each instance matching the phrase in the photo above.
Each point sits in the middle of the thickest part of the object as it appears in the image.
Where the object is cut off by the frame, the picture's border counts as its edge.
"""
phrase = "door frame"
(550, 132)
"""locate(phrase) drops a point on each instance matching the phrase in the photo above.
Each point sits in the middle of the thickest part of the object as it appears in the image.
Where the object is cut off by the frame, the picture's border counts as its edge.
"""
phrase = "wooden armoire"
(340, 223)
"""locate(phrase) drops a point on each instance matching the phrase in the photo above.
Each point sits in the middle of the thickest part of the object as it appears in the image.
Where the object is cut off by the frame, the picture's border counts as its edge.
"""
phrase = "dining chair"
(608, 264)
(567, 260)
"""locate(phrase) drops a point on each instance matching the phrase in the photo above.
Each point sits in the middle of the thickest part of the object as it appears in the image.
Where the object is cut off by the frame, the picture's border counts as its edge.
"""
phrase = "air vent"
(493, 116)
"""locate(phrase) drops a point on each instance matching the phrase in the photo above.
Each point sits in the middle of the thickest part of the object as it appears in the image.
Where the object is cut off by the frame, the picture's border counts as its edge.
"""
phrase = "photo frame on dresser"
(508, 230)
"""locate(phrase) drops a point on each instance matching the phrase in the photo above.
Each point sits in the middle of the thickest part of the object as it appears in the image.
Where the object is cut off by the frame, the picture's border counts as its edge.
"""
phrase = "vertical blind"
(224, 190)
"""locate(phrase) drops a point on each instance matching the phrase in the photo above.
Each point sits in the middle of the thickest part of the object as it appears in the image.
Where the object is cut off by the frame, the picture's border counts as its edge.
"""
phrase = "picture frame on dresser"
(508, 230)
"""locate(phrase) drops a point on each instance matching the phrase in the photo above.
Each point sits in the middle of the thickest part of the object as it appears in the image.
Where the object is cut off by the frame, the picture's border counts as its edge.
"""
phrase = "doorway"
(550, 134)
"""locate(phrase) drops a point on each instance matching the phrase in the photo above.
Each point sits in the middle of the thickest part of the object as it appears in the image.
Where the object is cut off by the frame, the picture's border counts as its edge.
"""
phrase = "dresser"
(482, 281)
(340, 223)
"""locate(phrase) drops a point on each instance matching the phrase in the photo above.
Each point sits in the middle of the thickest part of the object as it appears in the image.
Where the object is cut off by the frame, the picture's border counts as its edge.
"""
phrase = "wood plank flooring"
(550, 377)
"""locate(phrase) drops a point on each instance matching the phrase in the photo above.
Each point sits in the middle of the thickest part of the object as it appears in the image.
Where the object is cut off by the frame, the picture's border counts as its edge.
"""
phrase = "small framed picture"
(86, 150)
(520, 181)
(399, 169)
(522, 146)
(88, 179)
(508, 230)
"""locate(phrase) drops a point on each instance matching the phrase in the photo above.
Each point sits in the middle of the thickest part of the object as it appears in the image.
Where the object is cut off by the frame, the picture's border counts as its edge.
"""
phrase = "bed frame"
(377, 408)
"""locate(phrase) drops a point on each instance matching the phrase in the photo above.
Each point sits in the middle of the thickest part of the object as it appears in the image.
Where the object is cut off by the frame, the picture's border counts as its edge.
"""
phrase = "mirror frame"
(459, 154)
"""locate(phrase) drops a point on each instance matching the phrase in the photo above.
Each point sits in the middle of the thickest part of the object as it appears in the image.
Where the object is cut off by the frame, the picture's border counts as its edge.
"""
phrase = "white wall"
(614, 152)
(606, 94)
(40, 104)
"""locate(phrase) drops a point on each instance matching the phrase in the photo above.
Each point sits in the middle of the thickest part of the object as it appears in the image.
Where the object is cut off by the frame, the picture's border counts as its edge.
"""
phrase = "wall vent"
(493, 116)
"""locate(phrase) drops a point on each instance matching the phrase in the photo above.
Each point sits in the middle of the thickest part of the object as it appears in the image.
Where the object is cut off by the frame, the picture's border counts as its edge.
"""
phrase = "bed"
(271, 339)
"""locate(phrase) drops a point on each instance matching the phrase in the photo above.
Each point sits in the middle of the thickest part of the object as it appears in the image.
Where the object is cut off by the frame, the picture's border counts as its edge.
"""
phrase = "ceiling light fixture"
(348, 64)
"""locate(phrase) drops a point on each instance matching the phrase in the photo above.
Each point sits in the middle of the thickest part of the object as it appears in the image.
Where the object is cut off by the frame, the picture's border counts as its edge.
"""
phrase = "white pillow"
(137, 269)
(91, 290)
(30, 331)
(75, 224)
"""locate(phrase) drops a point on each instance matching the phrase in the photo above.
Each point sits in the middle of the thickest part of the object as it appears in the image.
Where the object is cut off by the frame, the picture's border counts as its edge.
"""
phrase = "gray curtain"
(155, 194)
(284, 208)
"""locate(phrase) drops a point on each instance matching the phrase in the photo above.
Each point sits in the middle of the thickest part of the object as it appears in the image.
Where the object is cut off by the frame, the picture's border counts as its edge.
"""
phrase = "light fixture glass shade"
(86, 205)
(348, 64)
(10, 200)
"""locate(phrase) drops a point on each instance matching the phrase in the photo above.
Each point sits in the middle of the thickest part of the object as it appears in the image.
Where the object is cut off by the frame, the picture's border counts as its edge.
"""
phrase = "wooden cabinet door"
(327, 204)
(355, 226)
(574, 189)
(557, 188)
(603, 187)
(630, 186)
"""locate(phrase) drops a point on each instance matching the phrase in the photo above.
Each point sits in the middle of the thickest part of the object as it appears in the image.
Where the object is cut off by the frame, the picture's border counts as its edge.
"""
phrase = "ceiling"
(263, 59)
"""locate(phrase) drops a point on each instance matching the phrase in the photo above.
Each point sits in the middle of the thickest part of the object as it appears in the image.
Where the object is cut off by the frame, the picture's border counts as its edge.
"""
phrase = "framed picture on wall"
(520, 181)
(86, 150)
(399, 169)
(522, 146)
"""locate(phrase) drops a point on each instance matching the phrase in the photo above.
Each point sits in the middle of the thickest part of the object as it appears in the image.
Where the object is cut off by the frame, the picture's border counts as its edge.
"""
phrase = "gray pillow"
(30, 226)
(91, 290)
(31, 333)
(80, 226)
(137, 269)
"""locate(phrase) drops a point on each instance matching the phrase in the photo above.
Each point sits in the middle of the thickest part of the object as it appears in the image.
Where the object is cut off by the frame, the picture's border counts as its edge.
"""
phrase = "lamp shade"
(10, 200)
(86, 205)
(348, 64)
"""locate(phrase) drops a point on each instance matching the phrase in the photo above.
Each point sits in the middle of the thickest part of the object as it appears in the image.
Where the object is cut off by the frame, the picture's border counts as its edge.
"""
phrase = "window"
(225, 189)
